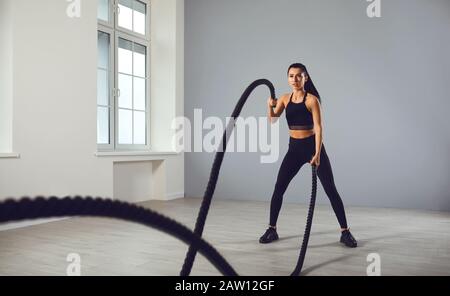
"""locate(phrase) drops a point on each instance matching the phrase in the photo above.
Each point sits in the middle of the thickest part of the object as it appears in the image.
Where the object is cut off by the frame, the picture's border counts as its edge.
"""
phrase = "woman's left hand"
(315, 160)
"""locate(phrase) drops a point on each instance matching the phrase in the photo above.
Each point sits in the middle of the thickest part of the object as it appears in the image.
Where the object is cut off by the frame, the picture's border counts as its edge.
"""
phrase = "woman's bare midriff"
(300, 134)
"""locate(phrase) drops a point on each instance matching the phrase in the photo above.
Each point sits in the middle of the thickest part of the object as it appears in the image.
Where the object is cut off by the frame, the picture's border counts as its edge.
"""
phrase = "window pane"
(139, 60)
(103, 50)
(139, 17)
(103, 10)
(102, 87)
(126, 91)
(139, 93)
(139, 128)
(140, 7)
(125, 56)
(126, 14)
(125, 126)
(102, 125)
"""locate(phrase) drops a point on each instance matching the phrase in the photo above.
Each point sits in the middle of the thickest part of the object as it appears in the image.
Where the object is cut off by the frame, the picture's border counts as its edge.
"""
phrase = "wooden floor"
(408, 242)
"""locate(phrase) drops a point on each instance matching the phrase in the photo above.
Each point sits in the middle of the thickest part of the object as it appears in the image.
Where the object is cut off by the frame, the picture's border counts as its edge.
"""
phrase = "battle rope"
(301, 257)
(12, 210)
(204, 208)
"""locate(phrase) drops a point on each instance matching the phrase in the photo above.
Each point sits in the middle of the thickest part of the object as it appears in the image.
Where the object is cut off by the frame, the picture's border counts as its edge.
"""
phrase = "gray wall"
(384, 85)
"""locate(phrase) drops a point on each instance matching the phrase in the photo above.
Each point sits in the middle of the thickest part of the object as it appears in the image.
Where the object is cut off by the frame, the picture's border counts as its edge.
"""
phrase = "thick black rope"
(12, 210)
(214, 175)
(25, 208)
(301, 257)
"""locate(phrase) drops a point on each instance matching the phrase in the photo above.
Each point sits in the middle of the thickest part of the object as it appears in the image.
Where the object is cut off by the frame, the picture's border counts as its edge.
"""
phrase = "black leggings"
(300, 152)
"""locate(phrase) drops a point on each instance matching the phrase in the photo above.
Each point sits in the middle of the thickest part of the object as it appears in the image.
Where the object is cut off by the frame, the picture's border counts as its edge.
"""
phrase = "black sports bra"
(298, 116)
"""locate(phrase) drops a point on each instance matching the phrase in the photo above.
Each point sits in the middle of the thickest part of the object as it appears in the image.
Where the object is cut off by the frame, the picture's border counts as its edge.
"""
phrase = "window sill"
(9, 155)
(134, 153)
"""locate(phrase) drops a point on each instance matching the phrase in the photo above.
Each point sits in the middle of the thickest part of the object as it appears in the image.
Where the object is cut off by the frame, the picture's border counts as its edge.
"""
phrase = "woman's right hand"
(271, 102)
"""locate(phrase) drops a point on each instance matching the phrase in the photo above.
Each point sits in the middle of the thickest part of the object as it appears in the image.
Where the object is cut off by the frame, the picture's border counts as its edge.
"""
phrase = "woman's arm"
(273, 113)
(314, 105)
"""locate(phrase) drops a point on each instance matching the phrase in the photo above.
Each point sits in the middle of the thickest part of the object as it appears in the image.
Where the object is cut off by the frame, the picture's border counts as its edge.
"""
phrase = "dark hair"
(309, 86)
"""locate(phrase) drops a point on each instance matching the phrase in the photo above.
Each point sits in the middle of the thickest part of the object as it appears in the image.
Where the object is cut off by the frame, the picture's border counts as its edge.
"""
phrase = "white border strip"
(9, 155)
(134, 153)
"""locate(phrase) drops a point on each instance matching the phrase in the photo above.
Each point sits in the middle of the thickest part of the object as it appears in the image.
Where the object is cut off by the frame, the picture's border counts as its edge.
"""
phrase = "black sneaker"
(269, 236)
(348, 239)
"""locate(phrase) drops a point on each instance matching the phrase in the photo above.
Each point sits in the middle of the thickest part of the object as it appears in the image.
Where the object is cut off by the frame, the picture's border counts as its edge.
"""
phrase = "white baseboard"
(175, 195)
(14, 225)
(170, 196)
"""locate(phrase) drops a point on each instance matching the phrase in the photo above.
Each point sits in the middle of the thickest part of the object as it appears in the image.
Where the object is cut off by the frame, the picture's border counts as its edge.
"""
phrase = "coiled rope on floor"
(214, 175)
(25, 208)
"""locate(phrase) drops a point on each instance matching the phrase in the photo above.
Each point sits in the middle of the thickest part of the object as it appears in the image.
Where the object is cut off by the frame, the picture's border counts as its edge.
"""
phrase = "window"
(132, 16)
(123, 78)
(104, 99)
(103, 10)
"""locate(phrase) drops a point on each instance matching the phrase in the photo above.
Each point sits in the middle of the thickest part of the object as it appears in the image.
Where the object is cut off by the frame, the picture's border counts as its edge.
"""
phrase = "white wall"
(54, 114)
(167, 69)
(384, 84)
(6, 67)
(131, 180)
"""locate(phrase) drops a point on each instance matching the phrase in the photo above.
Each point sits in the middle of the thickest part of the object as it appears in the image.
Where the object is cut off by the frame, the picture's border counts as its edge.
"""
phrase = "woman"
(305, 145)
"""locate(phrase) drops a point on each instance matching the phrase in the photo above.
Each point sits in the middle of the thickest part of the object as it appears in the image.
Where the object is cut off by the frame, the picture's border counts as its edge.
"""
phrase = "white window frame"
(112, 139)
(111, 18)
(117, 93)
(129, 32)
(117, 32)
